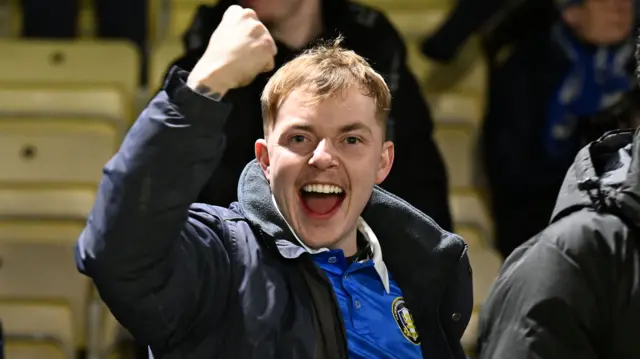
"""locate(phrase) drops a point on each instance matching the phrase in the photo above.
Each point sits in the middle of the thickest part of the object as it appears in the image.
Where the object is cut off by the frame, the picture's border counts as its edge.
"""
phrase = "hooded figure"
(573, 291)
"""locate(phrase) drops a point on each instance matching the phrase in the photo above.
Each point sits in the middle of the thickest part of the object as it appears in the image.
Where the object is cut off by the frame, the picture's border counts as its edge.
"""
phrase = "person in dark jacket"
(419, 175)
(313, 261)
(573, 291)
(552, 67)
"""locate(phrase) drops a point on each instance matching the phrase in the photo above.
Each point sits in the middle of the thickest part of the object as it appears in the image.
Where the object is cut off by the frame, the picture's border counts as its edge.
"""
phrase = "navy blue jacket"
(199, 281)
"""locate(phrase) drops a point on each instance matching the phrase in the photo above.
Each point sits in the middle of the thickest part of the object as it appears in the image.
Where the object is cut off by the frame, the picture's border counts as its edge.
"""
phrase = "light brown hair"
(325, 71)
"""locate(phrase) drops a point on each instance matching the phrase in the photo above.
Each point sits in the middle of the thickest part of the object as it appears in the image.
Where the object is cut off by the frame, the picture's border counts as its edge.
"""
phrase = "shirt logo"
(405, 320)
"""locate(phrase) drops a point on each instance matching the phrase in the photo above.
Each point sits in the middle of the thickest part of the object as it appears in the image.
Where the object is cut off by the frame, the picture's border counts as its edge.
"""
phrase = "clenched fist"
(239, 49)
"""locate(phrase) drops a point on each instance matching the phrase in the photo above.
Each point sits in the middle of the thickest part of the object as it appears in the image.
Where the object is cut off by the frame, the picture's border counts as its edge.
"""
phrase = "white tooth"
(322, 188)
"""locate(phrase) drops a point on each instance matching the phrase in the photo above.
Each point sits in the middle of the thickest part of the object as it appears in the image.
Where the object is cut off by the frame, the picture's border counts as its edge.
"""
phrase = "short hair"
(325, 71)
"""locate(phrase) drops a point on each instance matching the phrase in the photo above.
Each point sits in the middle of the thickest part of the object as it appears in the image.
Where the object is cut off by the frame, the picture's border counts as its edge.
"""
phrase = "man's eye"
(352, 140)
(298, 139)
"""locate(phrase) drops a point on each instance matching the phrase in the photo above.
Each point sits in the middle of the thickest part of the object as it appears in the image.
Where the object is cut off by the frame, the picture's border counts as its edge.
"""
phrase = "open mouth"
(321, 200)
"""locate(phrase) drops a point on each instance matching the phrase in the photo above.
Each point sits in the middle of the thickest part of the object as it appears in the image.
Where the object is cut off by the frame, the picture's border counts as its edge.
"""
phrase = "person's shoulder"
(372, 22)
(587, 240)
(586, 233)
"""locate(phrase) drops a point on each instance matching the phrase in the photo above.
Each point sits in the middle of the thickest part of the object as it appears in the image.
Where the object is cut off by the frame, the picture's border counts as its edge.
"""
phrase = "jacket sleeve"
(466, 18)
(548, 301)
(161, 268)
(457, 305)
(418, 174)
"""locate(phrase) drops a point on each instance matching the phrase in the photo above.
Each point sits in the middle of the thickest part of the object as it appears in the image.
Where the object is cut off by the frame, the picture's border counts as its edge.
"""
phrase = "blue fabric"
(368, 311)
(594, 80)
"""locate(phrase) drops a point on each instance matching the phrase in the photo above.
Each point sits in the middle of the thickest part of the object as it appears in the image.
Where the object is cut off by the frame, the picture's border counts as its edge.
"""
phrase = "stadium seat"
(37, 330)
(457, 145)
(33, 349)
(468, 209)
(36, 232)
(471, 235)
(417, 24)
(159, 63)
(104, 103)
(42, 272)
(42, 203)
(455, 108)
(485, 263)
(181, 16)
(85, 62)
(47, 151)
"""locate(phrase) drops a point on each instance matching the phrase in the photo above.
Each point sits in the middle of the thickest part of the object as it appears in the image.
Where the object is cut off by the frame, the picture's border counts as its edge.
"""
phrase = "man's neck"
(348, 244)
(301, 27)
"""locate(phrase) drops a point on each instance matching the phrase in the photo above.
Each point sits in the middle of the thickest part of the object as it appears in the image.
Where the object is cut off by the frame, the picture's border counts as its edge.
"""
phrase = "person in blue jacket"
(313, 261)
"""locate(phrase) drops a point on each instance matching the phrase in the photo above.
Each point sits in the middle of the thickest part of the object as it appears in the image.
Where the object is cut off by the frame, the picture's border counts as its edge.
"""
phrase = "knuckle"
(249, 14)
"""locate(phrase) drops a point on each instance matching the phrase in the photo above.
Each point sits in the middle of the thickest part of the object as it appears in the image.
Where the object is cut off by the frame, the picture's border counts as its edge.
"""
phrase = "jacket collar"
(368, 235)
(413, 244)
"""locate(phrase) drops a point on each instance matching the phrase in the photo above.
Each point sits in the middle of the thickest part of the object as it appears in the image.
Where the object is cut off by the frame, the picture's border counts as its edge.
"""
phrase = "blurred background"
(514, 88)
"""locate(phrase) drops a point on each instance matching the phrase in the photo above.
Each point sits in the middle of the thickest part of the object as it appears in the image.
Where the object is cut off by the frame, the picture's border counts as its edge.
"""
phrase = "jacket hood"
(604, 175)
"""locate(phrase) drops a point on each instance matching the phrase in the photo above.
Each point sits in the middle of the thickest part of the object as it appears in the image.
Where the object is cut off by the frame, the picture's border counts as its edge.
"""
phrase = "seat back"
(78, 62)
(41, 100)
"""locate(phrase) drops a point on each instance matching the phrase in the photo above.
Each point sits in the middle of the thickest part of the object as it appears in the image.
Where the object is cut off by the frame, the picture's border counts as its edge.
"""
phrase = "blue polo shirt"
(377, 323)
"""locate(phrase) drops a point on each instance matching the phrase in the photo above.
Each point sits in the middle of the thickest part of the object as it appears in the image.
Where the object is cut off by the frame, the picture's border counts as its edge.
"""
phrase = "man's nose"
(323, 157)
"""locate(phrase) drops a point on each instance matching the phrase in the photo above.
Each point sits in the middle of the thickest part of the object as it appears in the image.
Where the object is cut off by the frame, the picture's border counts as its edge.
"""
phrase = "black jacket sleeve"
(457, 304)
(161, 267)
(418, 174)
(552, 297)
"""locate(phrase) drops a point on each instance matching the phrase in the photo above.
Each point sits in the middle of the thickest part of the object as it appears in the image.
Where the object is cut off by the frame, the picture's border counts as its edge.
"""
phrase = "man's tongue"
(320, 203)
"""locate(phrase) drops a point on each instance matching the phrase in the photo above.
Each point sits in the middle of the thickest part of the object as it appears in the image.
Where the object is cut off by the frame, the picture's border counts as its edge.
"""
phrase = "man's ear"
(262, 155)
(386, 161)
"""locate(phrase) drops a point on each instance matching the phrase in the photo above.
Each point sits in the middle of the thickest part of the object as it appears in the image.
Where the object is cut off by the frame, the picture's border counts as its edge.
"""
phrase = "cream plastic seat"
(37, 330)
(181, 16)
(48, 151)
(32, 349)
(457, 146)
(415, 24)
(79, 62)
(68, 203)
(468, 209)
(471, 235)
(159, 63)
(485, 264)
(100, 103)
(450, 108)
(105, 333)
(39, 267)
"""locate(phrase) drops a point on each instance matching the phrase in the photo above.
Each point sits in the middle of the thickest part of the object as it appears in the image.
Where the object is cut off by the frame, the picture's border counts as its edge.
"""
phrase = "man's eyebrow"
(301, 127)
(355, 127)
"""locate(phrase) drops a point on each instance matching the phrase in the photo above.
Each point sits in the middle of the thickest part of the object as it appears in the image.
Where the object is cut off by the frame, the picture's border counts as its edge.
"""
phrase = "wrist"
(213, 86)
